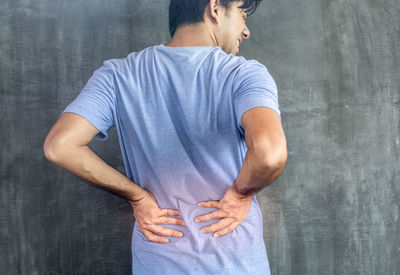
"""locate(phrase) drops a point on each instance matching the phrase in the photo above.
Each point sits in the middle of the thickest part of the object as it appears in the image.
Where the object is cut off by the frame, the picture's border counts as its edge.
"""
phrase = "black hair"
(184, 12)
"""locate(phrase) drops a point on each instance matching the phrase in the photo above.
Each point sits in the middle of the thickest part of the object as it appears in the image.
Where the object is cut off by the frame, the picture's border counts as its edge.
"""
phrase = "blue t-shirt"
(177, 112)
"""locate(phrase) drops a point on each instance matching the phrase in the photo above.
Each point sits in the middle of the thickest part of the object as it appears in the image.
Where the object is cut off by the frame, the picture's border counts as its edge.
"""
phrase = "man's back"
(177, 113)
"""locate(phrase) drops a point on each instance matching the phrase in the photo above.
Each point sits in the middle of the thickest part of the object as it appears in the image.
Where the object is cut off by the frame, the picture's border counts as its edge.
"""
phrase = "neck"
(192, 35)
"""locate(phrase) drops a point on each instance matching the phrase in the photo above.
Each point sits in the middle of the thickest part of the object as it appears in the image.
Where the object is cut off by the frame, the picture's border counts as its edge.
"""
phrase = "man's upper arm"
(69, 130)
(257, 112)
(264, 134)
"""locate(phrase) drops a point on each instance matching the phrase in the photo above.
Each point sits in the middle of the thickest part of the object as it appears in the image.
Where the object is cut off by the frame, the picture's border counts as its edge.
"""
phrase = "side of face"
(233, 30)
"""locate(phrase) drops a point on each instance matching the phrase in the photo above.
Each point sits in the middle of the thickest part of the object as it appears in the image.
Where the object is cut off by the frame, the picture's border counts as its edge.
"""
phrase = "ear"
(214, 10)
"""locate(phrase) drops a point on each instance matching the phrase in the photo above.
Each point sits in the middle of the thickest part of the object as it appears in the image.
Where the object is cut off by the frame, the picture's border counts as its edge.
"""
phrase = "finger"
(153, 237)
(215, 215)
(168, 220)
(217, 226)
(170, 212)
(225, 230)
(209, 204)
(163, 231)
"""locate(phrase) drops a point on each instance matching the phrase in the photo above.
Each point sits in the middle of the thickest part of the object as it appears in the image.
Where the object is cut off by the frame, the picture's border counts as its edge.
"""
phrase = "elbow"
(48, 151)
(51, 150)
(269, 157)
(276, 159)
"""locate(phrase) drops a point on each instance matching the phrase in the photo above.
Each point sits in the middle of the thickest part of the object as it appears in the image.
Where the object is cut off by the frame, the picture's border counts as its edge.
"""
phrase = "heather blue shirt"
(177, 112)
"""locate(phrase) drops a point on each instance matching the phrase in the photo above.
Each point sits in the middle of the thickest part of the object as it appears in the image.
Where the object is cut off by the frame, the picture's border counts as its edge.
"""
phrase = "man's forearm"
(85, 164)
(254, 176)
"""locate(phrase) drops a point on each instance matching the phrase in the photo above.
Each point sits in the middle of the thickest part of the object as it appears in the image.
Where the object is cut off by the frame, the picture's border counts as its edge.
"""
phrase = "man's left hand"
(233, 209)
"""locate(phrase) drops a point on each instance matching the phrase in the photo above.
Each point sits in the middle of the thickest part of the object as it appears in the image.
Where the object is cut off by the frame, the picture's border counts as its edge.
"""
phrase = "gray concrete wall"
(335, 208)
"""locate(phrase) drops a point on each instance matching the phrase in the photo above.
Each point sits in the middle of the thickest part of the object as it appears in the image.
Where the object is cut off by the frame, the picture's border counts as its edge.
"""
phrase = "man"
(196, 124)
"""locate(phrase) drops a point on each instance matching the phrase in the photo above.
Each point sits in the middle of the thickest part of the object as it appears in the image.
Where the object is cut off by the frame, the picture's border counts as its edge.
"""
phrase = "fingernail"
(180, 235)
(199, 204)
(196, 220)
(216, 235)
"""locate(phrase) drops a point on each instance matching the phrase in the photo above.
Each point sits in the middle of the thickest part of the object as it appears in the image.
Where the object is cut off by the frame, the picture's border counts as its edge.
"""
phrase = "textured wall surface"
(335, 208)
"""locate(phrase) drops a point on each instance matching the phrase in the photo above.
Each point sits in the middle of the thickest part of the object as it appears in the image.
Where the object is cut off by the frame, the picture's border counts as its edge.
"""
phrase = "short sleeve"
(96, 101)
(253, 87)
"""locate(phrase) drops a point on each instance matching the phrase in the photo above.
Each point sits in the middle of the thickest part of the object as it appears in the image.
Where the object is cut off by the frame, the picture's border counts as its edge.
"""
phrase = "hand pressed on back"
(264, 161)
(233, 209)
(148, 215)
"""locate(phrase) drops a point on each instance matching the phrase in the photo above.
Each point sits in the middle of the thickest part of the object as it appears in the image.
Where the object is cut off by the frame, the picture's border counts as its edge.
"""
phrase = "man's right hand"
(148, 215)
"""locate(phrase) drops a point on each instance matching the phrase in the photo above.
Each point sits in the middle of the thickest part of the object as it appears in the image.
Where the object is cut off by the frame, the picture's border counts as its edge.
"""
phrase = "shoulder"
(252, 67)
(126, 65)
(252, 73)
(242, 67)
(115, 64)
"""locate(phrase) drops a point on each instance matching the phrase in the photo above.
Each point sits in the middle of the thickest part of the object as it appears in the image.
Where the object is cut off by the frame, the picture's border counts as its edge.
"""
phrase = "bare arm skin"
(266, 154)
(264, 161)
(66, 145)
